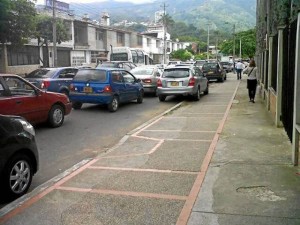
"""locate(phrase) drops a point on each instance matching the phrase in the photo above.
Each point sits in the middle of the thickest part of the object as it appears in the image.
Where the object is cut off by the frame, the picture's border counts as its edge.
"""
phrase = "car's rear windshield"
(108, 65)
(210, 66)
(40, 73)
(90, 75)
(176, 73)
(142, 71)
(199, 63)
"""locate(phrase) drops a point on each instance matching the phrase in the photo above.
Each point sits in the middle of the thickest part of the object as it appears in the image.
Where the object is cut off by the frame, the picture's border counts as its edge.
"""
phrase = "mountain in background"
(221, 14)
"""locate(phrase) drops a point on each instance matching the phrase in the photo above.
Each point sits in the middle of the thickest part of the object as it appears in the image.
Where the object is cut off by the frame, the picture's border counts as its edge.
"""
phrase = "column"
(269, 69)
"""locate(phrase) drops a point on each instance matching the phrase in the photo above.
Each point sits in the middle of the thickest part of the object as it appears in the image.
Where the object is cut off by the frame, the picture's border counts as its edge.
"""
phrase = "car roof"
(105, 68)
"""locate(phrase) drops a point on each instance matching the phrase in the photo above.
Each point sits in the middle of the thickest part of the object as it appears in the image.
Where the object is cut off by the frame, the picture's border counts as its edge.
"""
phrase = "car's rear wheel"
(76, 105)
(162, 98)
(114, 104)
(56, 116)
(140, 97)
(207, 90)
(17, 176)
(197, 95)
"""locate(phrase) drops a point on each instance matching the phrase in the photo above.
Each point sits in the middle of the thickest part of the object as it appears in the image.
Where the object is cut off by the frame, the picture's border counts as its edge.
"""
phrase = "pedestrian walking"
(252, 72)
(239, 68)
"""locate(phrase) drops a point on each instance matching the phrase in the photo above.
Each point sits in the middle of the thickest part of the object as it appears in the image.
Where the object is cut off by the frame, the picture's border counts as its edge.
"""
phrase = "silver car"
(184, 80)
(148, 75)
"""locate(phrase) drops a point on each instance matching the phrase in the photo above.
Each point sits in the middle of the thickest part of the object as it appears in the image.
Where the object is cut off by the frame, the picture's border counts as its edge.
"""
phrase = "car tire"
(17, 177)
(225, 78)
(162, 98)
(197, 95)
(56, 116)
(140, 98)
(114, 104)
(207, 90)
(76, 105)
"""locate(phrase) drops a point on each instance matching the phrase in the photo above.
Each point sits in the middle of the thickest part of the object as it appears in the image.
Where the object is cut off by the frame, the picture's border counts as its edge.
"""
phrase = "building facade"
(278, 59)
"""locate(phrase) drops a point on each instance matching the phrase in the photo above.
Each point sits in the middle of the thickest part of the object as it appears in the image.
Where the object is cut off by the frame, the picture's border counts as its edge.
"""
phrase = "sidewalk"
(219, 161)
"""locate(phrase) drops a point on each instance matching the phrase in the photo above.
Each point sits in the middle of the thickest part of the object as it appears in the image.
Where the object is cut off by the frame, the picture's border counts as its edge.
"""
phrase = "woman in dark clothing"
(252, 72)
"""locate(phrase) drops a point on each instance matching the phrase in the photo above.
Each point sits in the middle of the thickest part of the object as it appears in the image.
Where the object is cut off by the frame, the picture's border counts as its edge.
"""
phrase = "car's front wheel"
(56, 116)
(114, 104)
(17, 176)
(140, 97)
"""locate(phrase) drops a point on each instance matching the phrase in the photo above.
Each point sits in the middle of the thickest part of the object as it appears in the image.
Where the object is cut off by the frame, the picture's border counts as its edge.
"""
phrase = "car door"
(202, 79)
(132, 87)
(22, 100)
(65, 78)
(119, 85)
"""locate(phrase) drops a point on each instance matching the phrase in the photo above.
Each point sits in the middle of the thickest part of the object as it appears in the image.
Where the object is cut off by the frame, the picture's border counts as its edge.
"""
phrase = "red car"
(21, 98)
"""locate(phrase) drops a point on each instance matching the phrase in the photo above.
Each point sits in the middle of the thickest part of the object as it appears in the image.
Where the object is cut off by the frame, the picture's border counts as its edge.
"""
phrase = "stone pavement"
(219, 161)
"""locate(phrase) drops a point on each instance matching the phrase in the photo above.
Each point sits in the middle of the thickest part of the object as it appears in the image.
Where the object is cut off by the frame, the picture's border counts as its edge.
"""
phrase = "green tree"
(181, 54)
(16, 21)
(168, 21)
(44, 31)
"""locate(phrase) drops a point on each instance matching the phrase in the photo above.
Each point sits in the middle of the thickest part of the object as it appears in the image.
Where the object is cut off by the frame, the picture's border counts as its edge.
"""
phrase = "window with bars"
(27, 55)
(120, 38)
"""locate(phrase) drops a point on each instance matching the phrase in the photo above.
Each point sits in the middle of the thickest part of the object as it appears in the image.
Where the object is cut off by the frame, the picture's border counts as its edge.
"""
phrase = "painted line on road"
(187, 208)
(124, 193)
(196, 131)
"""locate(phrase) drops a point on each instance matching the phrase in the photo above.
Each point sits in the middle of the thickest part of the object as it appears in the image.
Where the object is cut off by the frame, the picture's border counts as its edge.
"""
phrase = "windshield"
(91, 75)
(119, 57)
(210, 66)
(142, 71)
(41, 73)
(176, 73)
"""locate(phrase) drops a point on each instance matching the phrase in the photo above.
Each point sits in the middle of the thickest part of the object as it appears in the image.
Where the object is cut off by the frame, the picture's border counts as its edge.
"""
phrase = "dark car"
(53, 79)
(184, 81)
(214, 71)
(19, 158)
(21, 98)
(108, 86)
(117, 64)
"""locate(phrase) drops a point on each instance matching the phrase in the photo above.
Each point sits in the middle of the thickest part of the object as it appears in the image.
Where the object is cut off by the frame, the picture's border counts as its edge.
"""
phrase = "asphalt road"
(88, 132)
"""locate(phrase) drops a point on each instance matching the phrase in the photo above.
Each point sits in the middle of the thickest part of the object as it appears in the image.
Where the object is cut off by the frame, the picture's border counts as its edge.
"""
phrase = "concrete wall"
(21, 70)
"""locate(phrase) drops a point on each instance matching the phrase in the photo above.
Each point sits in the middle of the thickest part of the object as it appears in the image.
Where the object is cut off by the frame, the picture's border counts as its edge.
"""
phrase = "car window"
(41, 73)
(67, 73)
(176, 73)
(210, 66)
(1, 90)
(91, 75)
(128, 78)
(19, 87)
(117, 77)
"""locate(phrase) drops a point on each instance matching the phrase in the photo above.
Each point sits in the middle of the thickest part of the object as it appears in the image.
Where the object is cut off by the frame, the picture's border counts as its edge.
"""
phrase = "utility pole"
(233, 42)
(165, 35)
(240, 48)
(54, 55)
(208, 24)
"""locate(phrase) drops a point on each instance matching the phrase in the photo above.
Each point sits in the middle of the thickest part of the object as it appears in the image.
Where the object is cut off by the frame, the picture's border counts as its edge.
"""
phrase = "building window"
(99, 35)
(140, 40)
(27, 55)
(120, 38)
(148, 42)
(157, 43)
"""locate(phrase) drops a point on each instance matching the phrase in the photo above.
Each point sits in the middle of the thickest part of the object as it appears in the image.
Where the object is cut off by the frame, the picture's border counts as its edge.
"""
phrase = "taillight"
(159, 83)
(192, 81)
(148, 81)
(107, 89)
(45, 84)
(72, 87)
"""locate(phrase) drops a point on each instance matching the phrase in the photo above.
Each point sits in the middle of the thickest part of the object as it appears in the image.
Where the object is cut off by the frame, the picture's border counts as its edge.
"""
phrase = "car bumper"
(68, 108)
(177, 91)
(149, 89)
(90, 98)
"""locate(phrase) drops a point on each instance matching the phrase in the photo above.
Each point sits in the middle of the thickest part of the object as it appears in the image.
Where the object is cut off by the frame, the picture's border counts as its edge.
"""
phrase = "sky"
(88, 1)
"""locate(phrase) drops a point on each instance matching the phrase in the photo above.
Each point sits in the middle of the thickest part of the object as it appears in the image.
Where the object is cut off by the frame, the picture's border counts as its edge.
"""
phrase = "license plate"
(174, 83)
(210, 72)
(87, 90)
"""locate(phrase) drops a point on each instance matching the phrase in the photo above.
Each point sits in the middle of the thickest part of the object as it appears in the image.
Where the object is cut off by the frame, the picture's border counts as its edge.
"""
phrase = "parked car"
(117, 64)
(199, 63)
(188, 80)
(148, 75)
(227, 66)
(53, 79)
(20, 97)
(19, 158)
(214, 71)
(109, 86)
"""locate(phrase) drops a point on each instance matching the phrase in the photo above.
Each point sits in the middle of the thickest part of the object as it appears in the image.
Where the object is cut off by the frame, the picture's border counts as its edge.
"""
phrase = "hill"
(221, 14)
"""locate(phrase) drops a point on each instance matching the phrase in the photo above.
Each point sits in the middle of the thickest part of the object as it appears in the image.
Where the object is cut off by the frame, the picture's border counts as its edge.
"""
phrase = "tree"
(44, 31)
(167, 20)
(16, 21)
(181, 54)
